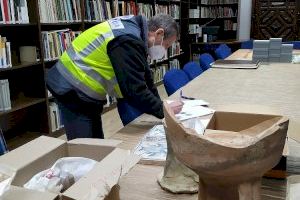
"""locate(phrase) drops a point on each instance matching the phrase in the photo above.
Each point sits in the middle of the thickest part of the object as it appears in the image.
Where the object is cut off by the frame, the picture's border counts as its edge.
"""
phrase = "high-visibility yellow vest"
(86, 64)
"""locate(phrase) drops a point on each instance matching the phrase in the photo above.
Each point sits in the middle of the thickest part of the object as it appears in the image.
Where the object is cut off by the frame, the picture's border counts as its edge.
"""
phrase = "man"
(110, 58)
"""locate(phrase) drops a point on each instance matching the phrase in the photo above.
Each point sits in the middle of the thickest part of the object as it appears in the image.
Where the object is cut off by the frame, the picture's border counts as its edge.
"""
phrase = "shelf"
(61, 23)
(18, 25)
(162, 2)
(93, 23)
(22, 103)
(176, 56)
(19, 66)
(50, 61)
(174, 2)
(220, 4)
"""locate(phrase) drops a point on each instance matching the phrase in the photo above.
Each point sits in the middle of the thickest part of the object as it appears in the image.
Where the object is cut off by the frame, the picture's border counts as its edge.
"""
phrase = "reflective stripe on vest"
(86, 64)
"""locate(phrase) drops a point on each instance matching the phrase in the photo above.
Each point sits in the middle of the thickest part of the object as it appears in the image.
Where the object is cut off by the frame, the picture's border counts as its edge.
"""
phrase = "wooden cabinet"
(276, 18)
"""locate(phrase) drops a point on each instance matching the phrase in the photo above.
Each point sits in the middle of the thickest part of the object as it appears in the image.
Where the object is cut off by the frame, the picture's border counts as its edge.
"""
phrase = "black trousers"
(81, 119)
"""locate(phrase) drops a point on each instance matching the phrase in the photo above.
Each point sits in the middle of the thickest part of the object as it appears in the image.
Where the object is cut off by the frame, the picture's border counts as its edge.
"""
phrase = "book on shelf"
(159, 72)
(13, 12)
(55, 117)
(57, 11)
(5, 101)
(97, 10)
(145, 9)
(5, 53)
(230, 25)
(174, 64)
(218, 12)
(127, 8)
(56, 42)
(218, 2)
(161, 9)
(174, 49)
(175, 11)
(194, 13)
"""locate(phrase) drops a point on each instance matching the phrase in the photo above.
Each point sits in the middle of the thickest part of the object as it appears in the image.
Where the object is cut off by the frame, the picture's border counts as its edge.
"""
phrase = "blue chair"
(3, 146)
(247, 44)
(192, 69)
(296, 44)
(205, 60)
(174, 79)
(127, 112)
(222, 53)
(225, 46)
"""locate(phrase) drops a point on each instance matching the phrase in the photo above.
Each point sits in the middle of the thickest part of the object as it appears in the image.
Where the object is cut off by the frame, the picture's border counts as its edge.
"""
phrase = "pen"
(184, 97)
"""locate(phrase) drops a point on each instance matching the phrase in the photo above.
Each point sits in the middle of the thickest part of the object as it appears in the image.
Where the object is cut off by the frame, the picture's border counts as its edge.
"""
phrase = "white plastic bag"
(196, 124)
(61, 175)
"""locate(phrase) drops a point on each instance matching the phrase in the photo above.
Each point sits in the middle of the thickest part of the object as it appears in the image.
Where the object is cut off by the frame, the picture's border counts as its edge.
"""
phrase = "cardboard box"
(236, 122)
(15, 193)
(261, 44)
(41, 154)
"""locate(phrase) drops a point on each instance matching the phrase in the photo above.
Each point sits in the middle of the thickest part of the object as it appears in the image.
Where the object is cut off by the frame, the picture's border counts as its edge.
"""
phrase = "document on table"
(192, 103)
(189, 112)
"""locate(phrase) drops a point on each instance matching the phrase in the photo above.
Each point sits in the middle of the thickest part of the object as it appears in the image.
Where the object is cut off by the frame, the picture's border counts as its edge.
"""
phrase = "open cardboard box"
(236, 122)
(100, 183)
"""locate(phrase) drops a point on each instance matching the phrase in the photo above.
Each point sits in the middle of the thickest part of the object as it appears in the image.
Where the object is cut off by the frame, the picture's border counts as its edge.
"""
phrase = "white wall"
(244, 20)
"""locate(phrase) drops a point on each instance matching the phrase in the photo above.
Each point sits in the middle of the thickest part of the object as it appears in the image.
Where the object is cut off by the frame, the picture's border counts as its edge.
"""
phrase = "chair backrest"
(247, 44)
(225, 46)
(127, 112)
(205, 60)
(174, 79)
(192, 69)
(3, 146)
(222, 53)
(296, 44)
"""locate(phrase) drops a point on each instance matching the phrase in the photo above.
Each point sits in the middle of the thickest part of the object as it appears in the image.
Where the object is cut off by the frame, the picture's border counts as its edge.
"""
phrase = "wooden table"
(273, 87)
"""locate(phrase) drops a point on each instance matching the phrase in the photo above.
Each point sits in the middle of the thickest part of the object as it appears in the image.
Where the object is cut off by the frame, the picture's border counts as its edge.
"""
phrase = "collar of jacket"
(142, 22)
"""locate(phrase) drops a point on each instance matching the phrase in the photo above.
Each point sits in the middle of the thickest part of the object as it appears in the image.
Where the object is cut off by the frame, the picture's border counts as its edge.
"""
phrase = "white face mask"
(157, 52)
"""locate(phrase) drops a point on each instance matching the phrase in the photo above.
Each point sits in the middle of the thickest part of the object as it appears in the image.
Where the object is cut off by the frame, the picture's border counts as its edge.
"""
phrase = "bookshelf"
(30, 110)
(216, 18)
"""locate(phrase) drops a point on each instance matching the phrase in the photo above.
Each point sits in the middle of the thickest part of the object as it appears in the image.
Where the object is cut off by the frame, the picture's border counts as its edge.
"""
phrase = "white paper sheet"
(189, 112)
(192, 103)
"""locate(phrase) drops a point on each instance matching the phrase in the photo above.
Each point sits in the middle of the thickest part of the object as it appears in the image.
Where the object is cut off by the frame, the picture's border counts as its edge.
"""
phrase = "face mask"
(156, 52)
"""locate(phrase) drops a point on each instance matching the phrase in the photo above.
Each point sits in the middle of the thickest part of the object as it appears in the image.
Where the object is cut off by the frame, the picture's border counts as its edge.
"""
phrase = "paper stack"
(261, 50)
(275, 49)
(286, 54)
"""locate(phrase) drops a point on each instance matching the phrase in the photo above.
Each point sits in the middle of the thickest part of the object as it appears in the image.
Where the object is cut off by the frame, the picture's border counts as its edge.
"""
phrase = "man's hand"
(176, 106)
